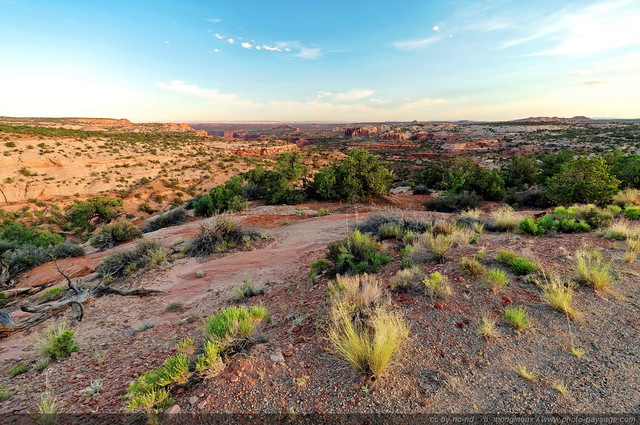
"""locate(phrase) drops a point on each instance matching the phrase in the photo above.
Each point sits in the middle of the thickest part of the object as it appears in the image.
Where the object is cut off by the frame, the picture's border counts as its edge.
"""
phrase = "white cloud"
(309, 53)
(217, 50)
(219, 37)
(416, 44)
(221, 100)
(246, 45)
(231, 41)
(377, 101)
(436, 28)
(347, 96)
(423, 102)
(271, 48)
(214, 20)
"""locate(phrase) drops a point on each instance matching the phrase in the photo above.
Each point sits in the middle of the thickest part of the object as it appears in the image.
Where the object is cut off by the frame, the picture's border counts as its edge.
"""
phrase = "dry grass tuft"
(559, 296)
(593, 271)
(506, 220)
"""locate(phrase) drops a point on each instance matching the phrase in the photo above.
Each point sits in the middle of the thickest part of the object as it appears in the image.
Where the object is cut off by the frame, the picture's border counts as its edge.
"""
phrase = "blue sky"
(285, 60)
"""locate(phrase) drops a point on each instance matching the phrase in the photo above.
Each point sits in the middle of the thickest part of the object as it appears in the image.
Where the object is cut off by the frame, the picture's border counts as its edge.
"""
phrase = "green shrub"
(357, 254)
(530, 227)
(54, 292)
(4, 393)
(408, 279)
(170, 218)
(471, 266)
(66, 250)
(221, 234)
(86, 215)
(316, 267)
(18, 369)
(245, 291)
(57, 341)
(453, 202)
(517, 317)
(322, 212)
(375, 223)
(233, 328)
(583, 180)
(505, 256)
(495, 279)
(124, 262)
(114, 234)
(25, 258)
(438, 285)
(224, 198)
(632, 213)
(506, 219)
(390, 231)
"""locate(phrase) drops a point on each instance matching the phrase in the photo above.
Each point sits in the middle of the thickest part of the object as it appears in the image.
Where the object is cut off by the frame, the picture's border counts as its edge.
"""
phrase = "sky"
(336, 61)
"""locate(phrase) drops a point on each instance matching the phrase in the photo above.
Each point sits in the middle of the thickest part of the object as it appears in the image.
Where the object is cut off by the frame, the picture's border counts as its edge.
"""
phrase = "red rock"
(297, 329)
(193, 400)
(287, 353)
(439, 306)
(201, 395)
(506, 299)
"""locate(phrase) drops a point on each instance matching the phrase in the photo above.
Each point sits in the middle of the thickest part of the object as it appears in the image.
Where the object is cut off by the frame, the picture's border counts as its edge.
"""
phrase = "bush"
(25, 258)
(532, 198)
(125, 262)
(379, 220)
(421, 189)
(4, 393)
(66, 250)
(86, 215)
(517, 317)
(357, 254)
(506, 219)
(627, 197)
(632, 213)
(355, 177)
(57, 341)
(505, 256)
(495, 279)
(583, 180)
(282, 184)
(621, 230)
(224, 198)
(408, 279)
(520, 172)
(54, 292)
(114, 234)
(232, 328)
(531, 227)
(471, 266)
(170, 218)
(18, 369)
(3, 299)
(245, 291)
(522, 266)
(452, 202)
(221, 234)
(438, 285)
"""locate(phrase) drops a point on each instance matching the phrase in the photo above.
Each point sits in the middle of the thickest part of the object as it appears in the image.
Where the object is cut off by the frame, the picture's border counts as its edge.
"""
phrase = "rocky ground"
(443, 368)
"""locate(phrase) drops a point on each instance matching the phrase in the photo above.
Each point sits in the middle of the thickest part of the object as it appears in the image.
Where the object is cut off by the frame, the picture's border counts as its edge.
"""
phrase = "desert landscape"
(449, 272)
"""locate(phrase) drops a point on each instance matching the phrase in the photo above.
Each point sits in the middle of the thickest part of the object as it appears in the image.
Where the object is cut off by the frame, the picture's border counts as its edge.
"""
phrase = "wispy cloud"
(231, 41)
(219, 37)
(417, 44)
(247, 45)
(423, 102)
(309, 53)
(218, 99)
(347, 96)
(214, 20)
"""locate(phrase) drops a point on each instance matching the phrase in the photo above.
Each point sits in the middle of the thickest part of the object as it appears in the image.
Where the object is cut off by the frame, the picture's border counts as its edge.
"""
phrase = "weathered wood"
(80, 298)
(10, 328)
(106, 290)
(4, 274)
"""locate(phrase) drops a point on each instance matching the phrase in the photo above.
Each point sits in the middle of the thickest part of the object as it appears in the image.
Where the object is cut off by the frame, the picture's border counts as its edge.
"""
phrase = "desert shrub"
(551, 164)
(114, 234)
(505, 256)
(471, 266)
(4, 393)
(170, 218)
(583, 180)
(592, 270)
(25, 258)
(531, 227)
(355, 177)
(408, 279)
(495, 279)
(3, 299)
(221, 234)
(421, 189)
(86, 215)
(520, 172)
(453, 202)
(559, 296)
(596, 217)
(377, 221)
(390, 231)
(485, 327)
(322, 212)
(318, 266)
(232, 329)
(57, 341)
(357, 254)
(506, 220)
(18, 369)
(517, 317)
(362, 293)
(632, 213)
(124, 262)
(439, 245)
(438, 285)
(223, 198)
(54, 292)
(66, 250)
(463, 175)
(625, 168)
(532, 198)
(282, 184)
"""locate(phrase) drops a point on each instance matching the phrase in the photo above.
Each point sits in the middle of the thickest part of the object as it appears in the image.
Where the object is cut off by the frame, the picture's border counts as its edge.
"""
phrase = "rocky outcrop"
(573, 120)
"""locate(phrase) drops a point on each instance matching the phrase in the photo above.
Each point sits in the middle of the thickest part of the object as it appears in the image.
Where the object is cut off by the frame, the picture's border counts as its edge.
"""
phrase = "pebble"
(202, 404)
(173, 410)
(193, 400)
(277, 357)
(199, 273)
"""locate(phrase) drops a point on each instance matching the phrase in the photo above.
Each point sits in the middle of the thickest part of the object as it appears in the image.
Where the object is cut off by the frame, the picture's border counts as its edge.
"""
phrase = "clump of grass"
(57, 341)
(52, 293)
(506, 220)
(363, 292)
(561, 387)
(621, 230)
(48, 409)
(170, 218)
(186, 346)
(358, 253)
(318, 267)
(246, 291)
(408, 279)
(485, 327)
(559, 296)
(368, 349)
(632, 250)
(523, 266)
(495, 279)
(471, 266)
(438, 285)
(577, 351)
(210, 363)
(505, 256)
(232, 328)
(593, 271)
(390, 231)
(4, 393)
(517, 317)
(526, 374)
(627, 197)
(221, 234)
(322, 212)
(42, 364)
(18, 369)
(301, 381)
(440, 245)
